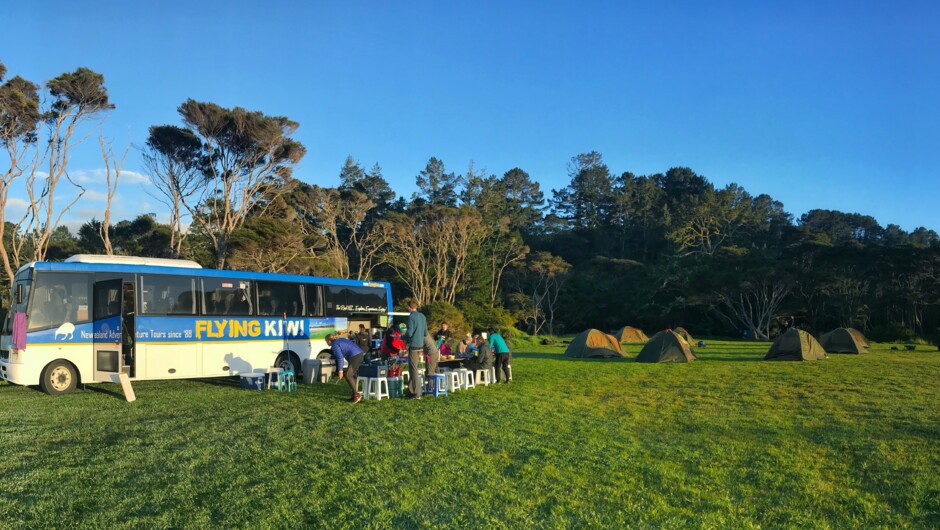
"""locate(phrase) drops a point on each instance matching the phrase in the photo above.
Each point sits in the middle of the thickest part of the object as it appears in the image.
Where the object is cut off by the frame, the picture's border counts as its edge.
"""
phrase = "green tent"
(842, 340)
(666, 347)
(795, 345)
(593, 343)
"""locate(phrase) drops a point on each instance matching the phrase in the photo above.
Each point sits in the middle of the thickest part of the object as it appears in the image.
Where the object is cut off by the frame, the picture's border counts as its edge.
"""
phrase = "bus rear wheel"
(59, 377)
(289, 361)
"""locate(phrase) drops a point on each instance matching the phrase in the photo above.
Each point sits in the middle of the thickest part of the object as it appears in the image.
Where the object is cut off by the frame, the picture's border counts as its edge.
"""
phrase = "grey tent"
(666, 347)
(795, 345)
(842, 340)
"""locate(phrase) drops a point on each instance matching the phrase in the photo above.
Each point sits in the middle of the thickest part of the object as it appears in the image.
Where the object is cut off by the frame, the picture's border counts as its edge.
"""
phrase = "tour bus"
(90, 318)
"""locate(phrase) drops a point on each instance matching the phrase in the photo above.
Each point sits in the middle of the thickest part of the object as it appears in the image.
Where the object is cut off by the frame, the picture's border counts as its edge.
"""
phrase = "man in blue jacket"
(414, 339)
(346, 350)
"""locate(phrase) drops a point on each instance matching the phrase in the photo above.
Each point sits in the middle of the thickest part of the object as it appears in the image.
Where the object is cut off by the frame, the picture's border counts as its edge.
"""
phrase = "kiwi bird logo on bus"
(66, 331)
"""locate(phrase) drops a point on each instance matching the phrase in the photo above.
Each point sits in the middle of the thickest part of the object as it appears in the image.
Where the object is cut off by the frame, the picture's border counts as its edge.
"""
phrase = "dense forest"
(611, 248)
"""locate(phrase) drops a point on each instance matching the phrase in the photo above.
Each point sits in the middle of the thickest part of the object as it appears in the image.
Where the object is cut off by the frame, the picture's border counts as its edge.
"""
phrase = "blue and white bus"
(90, 318)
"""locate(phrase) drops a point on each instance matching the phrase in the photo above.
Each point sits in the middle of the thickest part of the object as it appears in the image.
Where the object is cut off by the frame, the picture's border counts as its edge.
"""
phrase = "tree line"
(474, 248)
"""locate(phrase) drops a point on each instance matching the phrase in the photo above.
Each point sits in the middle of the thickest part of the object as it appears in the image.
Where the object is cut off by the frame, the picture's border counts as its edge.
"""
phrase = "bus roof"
(202, 273)
(133, 260)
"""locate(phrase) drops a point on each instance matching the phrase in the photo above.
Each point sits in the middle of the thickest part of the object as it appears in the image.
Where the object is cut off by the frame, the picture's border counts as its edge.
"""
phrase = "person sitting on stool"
(346, 350)
(483, 360)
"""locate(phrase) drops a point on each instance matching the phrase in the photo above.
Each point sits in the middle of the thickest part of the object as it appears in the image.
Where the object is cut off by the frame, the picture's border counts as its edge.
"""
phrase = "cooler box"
(373, 370)
(313, 369)
(396, 387)
(253, 381)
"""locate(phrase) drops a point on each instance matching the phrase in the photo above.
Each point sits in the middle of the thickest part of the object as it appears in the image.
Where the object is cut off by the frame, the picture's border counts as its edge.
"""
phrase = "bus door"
(108, 329)
(129, 328)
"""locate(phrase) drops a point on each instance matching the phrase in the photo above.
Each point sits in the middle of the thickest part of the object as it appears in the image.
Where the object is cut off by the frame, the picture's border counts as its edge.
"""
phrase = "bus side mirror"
(19, 294)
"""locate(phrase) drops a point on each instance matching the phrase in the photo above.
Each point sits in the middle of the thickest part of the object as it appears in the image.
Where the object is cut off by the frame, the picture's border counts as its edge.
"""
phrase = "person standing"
(346, 350)
(363, 339)
(415, 336)
(433, 354)
(502, 353)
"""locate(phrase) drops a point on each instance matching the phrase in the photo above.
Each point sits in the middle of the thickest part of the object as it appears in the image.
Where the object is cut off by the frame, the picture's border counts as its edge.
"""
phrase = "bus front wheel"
(59, 377)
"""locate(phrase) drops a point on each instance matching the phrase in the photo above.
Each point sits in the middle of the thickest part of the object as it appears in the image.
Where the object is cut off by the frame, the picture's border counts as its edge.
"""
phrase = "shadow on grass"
(559, 357)
(105, 391)
(230, 382)
(729, 358)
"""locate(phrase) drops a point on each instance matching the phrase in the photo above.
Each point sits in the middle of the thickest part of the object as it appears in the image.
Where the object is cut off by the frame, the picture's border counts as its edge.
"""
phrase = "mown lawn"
(726, 442)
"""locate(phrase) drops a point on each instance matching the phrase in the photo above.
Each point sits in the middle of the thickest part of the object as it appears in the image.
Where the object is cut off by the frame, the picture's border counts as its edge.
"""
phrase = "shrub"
(892, 332)
(481, 318)
(438, 312)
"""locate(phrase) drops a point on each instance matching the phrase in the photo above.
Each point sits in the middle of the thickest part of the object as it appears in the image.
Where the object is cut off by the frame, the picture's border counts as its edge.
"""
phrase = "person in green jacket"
(501, 350)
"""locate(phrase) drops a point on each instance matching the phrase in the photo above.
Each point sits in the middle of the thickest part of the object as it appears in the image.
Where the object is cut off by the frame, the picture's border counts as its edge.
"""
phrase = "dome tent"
(795, 345)
(630, 334)
(593, 343)
(860, 337)
(666, 347)
(685, 334)
(842, 340)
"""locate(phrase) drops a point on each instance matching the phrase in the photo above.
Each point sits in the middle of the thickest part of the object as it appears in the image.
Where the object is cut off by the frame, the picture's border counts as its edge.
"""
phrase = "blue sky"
(821, 104)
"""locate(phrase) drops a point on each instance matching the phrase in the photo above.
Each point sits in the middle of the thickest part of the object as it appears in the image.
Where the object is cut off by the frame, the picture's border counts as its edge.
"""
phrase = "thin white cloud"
(86, 214)
(133, 177)
(15, 203)
(97, 176)
(91, 195)
(85, 176)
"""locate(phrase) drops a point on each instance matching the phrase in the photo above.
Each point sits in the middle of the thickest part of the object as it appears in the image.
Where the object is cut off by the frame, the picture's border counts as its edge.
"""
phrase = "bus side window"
(315, 300)
(227, 297)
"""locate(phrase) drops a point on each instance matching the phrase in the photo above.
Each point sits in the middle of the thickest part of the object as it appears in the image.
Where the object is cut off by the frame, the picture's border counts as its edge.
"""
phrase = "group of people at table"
(413, 339)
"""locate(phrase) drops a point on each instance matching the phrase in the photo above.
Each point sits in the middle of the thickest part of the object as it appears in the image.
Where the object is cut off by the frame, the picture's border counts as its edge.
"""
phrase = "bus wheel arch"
(289, 360)
(59, 377)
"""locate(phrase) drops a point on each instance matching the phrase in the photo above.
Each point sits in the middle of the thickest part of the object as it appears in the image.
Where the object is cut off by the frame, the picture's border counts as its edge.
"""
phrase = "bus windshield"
(58, 298)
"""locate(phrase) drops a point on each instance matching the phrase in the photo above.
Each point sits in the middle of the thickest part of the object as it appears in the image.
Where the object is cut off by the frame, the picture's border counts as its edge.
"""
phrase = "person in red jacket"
(393, 344)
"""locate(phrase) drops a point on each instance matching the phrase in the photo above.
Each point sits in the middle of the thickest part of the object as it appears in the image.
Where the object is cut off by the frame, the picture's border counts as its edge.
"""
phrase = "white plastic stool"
(466, 379)
(483, 377)
(271, 376)
(493, 374)
(377, 388)
(452, 380)
(509, 369)
(405, 377)
(364, 387)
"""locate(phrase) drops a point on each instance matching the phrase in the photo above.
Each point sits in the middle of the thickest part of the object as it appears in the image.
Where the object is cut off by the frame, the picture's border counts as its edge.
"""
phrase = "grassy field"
(726, 442)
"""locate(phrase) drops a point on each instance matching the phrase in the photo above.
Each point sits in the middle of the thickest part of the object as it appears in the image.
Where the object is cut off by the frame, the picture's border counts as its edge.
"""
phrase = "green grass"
(726, 442)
